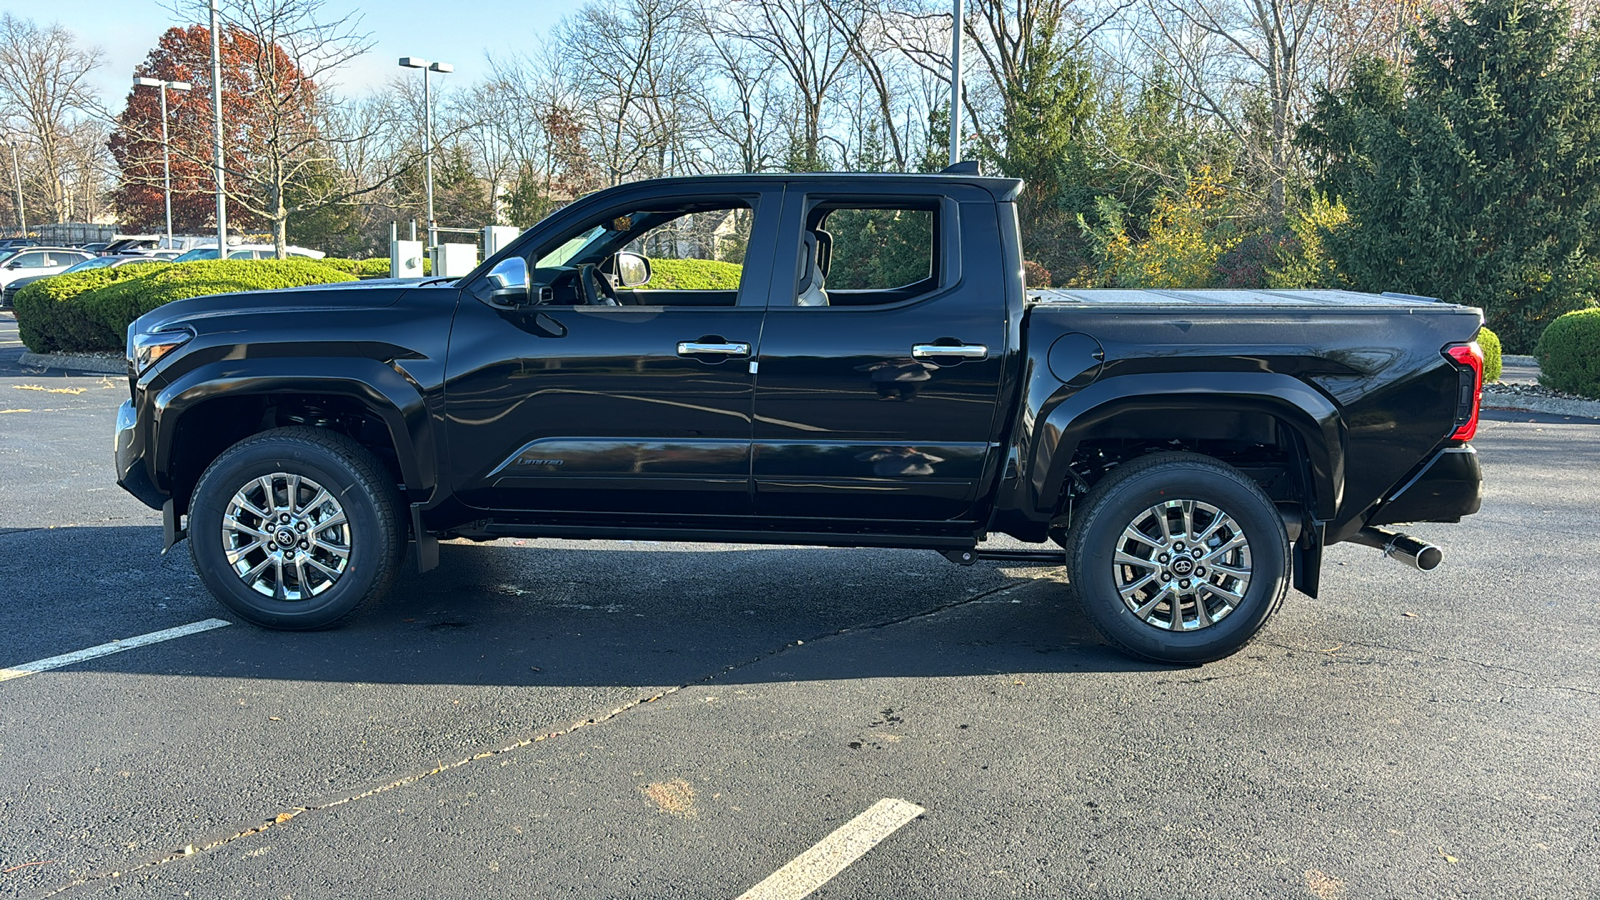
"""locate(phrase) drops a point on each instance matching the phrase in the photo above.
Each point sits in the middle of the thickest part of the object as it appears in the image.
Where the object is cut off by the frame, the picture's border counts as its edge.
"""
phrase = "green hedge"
(1569, 353)
(374, 267)
(1492, 362)
(90, 311)
(692, 275)
(48, 319)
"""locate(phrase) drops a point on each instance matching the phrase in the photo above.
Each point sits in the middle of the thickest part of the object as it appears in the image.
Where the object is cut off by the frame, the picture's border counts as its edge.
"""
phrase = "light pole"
(216, 133)
(955, 83)
(16, 171)
(166, 147)
(413, 62)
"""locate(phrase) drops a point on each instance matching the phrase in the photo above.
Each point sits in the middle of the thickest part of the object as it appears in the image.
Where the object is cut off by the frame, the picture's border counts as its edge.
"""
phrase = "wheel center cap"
(285, 537)
(1182, 566)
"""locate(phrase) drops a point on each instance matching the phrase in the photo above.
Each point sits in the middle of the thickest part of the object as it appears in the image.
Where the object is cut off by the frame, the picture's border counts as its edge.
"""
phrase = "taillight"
(1469, 398)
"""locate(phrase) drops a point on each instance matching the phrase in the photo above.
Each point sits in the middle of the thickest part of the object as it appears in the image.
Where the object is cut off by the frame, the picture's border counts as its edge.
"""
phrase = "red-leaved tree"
(184, 54)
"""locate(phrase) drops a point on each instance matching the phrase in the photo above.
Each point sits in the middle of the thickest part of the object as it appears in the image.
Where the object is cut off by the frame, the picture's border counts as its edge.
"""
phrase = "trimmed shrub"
(94, 314)
(50, 320)
(692, 275)
(1569, 353)
(373, 267)
(1492, 363)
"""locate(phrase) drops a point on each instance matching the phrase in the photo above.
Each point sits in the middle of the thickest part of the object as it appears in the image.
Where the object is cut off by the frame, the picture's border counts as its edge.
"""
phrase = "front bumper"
(1445, 488)
(132, 474)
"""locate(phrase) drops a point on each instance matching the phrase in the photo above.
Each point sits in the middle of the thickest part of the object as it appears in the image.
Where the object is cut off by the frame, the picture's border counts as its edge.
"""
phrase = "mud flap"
(427, 544)
(171, 531)
(1308, 559)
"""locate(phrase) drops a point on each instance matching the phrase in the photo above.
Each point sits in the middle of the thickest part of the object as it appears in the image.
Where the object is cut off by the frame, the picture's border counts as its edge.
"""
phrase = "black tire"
(372, 533)
(1133, 497)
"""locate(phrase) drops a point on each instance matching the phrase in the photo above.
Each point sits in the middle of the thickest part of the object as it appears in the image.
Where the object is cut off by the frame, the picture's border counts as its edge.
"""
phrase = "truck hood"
(373, 293)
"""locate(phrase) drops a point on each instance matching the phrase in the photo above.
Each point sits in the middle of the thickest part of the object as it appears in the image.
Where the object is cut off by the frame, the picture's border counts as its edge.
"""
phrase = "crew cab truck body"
(880, 377)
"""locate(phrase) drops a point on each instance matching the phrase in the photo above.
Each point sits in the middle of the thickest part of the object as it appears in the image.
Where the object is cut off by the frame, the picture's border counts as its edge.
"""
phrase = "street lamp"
(166, 155)
(956, 21)
(413, 62)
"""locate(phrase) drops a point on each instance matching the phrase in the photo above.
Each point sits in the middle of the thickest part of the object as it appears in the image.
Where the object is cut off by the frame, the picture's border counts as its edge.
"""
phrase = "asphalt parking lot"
(640, 720)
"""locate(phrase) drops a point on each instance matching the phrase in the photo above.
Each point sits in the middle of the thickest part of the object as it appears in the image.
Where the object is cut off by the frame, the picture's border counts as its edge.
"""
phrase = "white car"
(39, 261)
(247, 251)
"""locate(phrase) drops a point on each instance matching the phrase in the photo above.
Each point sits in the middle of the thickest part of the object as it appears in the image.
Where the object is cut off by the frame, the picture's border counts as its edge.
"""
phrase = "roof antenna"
(964, 167)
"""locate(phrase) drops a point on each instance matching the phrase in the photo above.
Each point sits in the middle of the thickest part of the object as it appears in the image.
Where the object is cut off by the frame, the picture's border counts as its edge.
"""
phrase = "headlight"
(145, 350)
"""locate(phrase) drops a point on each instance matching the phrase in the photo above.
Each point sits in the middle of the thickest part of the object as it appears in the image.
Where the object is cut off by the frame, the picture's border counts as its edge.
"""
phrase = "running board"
(1024, 557)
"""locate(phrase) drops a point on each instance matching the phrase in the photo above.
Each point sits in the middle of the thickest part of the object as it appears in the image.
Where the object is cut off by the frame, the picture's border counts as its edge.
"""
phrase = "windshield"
(570, 249)
(198, 253)
(99, 262)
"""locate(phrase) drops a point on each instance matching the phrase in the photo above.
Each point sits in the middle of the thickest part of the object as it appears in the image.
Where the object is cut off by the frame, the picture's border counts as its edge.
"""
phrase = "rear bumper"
(132, 474)
(1445, 488)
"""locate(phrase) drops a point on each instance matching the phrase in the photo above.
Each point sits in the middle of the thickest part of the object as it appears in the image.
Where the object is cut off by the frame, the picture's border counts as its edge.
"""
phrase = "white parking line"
(78, 656)
(834, 853)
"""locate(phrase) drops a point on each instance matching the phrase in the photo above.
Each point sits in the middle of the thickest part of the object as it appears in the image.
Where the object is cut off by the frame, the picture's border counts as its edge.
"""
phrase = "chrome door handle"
(965, 351)
(695, 348)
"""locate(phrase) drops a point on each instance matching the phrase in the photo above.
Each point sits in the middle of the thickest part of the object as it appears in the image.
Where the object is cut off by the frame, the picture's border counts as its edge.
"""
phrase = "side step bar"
(1025, 557)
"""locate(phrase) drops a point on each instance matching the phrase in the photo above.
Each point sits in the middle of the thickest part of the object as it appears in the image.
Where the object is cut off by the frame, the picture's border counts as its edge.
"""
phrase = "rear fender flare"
(1074, 417)
(380, 388)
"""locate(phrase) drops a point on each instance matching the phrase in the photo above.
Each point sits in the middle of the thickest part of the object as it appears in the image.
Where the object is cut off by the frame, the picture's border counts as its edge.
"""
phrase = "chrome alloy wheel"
(286, 537)
(1182, 565)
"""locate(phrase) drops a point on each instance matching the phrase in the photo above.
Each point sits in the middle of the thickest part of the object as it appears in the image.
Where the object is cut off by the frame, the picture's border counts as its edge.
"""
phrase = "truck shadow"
(566, 613)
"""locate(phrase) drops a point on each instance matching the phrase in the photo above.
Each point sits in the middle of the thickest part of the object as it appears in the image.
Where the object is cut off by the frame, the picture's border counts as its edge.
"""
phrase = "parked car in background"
(248, 251)
(95, 246)
(8, 294)
(39, 261)
(10, 244)
(146, 243)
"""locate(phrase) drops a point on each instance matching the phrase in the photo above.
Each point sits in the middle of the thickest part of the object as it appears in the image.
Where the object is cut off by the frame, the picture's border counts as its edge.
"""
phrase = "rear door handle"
(965, 351)
(696, 348)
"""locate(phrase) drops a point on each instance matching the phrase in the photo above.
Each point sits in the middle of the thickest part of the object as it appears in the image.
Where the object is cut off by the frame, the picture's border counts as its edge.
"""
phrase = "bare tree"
(863, 26)
(635, 66)
(745, 114)
(45, 99)
(798, 36)
(1227, 53)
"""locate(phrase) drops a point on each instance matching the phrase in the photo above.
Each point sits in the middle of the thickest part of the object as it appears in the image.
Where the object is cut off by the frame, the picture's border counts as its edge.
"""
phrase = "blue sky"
(456, 32)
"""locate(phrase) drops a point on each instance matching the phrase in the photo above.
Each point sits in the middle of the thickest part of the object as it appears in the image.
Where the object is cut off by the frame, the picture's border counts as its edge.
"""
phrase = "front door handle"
(965, 351)
(698, 348)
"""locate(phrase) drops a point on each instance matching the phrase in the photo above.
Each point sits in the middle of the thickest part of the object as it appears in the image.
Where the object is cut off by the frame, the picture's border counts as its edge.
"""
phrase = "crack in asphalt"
(191, 851)
(1446, 658)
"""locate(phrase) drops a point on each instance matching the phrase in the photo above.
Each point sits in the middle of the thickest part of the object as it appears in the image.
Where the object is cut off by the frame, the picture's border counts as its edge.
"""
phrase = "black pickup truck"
(864, 367)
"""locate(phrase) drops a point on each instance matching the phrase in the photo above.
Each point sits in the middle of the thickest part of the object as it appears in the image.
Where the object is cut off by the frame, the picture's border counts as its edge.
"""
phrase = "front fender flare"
(1073, 417)
(380, 388)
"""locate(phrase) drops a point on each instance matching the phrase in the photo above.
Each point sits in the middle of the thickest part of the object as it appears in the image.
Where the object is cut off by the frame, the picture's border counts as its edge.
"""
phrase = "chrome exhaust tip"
(1404, 548)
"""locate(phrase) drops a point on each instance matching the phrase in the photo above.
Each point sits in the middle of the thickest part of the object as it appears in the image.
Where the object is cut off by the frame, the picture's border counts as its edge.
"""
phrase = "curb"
(1588, 409)
(99, 365)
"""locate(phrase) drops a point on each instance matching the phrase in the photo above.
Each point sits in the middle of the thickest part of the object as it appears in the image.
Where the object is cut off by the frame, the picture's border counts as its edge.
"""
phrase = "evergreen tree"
(1475, 175)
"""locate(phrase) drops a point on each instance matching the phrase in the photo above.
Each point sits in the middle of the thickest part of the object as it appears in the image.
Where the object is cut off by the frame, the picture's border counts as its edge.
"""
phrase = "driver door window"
(694, 252)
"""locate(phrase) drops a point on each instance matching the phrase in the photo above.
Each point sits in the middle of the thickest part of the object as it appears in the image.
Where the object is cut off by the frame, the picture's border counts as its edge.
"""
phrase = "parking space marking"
(78, 656)
(834, 853)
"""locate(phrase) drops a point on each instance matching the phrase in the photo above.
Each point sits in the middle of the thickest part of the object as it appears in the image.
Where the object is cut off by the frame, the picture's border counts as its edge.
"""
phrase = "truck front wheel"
(295, 528)
(1178, 558)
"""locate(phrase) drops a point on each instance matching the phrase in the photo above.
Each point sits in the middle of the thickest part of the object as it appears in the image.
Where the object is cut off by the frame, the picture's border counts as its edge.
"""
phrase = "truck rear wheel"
(295, 528)
(1178, 558)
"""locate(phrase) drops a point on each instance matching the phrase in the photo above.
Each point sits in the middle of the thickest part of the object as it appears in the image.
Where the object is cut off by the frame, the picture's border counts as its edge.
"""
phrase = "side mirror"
(633, 269)
(508, 282)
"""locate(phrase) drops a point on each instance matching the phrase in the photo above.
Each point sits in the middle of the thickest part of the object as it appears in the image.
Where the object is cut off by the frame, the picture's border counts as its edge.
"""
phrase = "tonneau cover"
(1170, 298)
